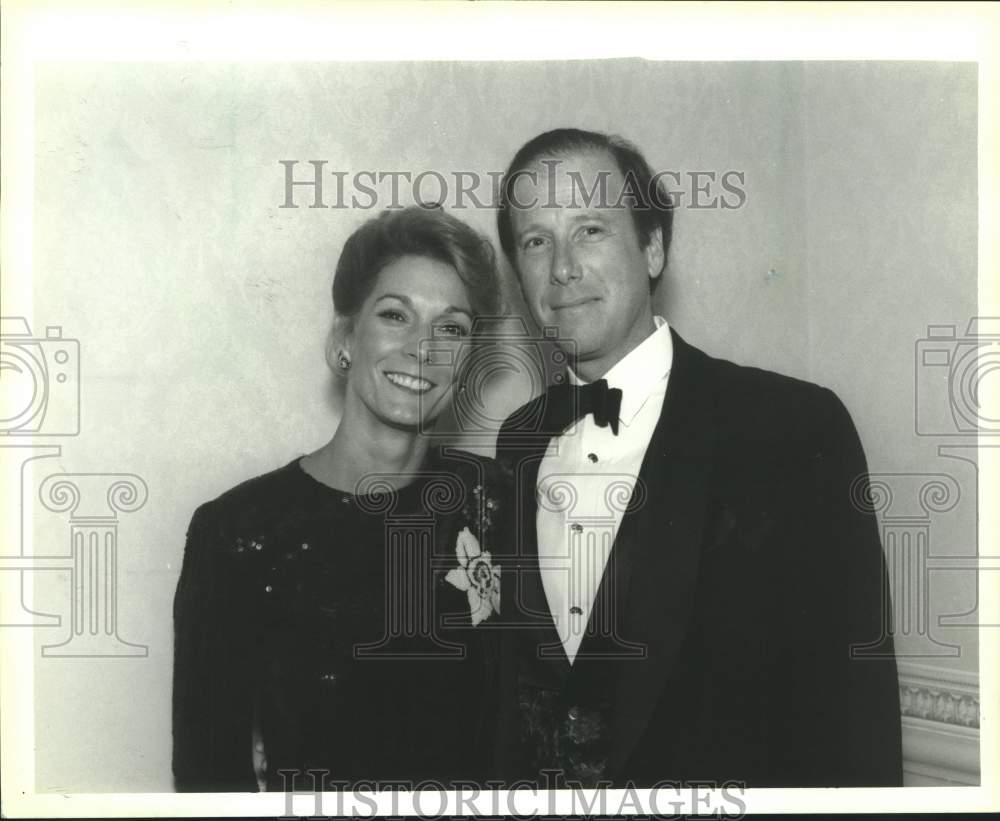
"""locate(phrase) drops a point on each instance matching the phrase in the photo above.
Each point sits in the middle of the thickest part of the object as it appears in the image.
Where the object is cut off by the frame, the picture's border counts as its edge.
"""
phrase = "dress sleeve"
(213, 687)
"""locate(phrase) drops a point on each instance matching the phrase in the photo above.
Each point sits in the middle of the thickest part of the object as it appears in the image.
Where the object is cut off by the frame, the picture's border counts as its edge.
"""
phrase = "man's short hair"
(652, 207)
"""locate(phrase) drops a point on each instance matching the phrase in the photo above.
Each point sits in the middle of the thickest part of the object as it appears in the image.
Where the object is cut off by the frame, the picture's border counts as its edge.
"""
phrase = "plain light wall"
(890, 227)
(201, 306)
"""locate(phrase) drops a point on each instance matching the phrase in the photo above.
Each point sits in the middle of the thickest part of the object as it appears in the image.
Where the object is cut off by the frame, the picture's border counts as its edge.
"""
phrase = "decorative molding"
(940, 725)
(940, 695)
(934, 704)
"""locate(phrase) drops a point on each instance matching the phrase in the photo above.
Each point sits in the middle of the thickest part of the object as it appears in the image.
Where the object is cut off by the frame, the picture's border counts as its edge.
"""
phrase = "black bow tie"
(568, 403)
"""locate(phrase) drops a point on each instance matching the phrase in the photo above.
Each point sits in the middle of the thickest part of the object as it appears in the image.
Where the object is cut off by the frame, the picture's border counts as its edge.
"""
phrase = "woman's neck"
(358, 450)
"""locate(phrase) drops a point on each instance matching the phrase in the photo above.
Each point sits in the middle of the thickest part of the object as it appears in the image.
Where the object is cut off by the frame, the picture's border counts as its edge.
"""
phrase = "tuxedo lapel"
(604, 637)
(666, 537)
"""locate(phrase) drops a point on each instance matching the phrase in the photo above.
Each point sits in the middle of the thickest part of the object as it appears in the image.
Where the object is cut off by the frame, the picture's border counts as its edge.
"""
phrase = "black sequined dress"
(324, 627)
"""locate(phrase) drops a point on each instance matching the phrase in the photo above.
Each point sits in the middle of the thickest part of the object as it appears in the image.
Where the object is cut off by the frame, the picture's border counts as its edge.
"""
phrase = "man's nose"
(565, 268)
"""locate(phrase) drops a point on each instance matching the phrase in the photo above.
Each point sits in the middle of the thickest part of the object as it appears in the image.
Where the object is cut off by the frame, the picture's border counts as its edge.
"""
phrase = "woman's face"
(402, 382)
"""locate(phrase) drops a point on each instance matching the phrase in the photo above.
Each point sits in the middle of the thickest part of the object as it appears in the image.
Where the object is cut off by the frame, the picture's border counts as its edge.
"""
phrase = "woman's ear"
(338, 354)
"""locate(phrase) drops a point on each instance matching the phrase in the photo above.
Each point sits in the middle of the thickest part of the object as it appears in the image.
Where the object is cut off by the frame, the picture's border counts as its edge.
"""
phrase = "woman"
(329, 613)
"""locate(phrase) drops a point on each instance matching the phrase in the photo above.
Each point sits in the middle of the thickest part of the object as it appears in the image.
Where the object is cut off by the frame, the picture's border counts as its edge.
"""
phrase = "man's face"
(581, 265)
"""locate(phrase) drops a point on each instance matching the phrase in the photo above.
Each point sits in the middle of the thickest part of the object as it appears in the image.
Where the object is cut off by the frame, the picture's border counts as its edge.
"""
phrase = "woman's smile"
(414, 384)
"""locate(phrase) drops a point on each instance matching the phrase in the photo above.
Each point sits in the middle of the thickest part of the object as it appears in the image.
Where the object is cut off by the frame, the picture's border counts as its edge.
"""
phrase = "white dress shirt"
(585, 481)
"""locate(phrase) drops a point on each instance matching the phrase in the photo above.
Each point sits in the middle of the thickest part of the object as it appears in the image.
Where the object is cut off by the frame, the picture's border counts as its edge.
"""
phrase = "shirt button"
(305, 545)
(573, 714)
(268, 588)
(576, 611)
(576, 527)
(592, 457)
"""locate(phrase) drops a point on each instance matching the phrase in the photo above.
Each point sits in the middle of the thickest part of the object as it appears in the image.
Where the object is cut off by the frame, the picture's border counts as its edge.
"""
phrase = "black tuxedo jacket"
(752, 576)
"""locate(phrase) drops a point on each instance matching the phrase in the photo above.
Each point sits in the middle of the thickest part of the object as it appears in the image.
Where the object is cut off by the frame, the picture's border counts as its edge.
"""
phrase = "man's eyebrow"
(532, 226)
(590, 214)
(582, 215)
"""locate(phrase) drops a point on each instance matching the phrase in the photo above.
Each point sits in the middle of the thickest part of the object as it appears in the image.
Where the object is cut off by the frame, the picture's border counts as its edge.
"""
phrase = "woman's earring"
(343, 362)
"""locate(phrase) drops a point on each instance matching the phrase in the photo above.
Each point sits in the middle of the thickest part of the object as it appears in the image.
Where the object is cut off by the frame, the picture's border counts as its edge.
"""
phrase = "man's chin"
(583, 340)
(577, 330)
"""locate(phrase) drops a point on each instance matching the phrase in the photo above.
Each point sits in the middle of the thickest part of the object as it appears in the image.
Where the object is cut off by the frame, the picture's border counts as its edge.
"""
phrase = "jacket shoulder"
(759, 384)
(260, 497)
(525, 419)
(766, 403)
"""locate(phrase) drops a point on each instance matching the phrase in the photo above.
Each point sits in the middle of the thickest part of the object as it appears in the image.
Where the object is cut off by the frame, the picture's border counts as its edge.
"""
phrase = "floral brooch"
(476, 577)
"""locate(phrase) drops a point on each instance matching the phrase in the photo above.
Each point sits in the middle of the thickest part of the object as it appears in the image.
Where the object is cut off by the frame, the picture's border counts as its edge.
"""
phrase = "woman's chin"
(411, 419)
(418, 414)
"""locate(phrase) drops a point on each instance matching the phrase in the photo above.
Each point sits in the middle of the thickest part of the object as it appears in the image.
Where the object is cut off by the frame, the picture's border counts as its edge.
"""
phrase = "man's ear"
(655, 257)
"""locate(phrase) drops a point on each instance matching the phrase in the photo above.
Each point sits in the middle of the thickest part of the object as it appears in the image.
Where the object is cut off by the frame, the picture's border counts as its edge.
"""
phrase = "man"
(697, 597)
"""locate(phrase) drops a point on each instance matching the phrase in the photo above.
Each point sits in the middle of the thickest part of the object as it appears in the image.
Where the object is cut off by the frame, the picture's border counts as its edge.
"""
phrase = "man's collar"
(640, 371)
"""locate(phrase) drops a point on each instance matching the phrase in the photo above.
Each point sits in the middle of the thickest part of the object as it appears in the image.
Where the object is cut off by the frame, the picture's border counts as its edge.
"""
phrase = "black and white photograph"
(498, 408)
